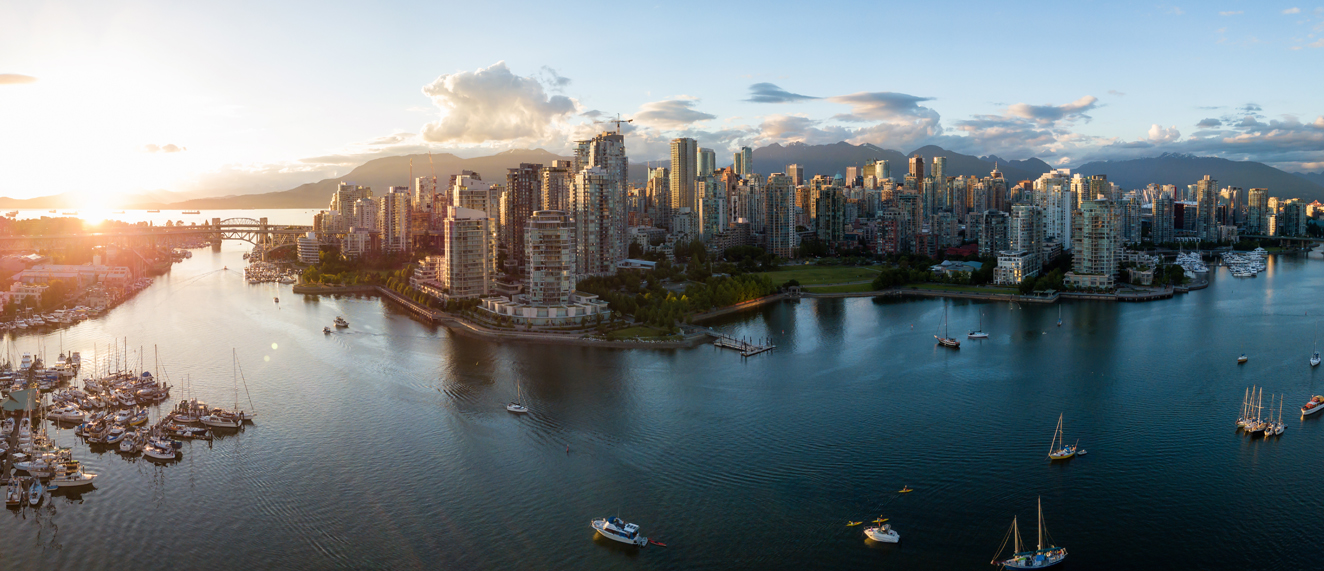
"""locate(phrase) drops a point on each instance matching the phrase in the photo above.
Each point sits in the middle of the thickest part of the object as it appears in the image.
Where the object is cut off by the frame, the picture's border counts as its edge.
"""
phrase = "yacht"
(218, 419)
(979, 333)
(73, 479)
(516, 406)
(882, 533)
(156, 451)
(340, 322)
(946, 340)
(1242, 359)
(616, 530)
(1315, 405)
(1058, 449)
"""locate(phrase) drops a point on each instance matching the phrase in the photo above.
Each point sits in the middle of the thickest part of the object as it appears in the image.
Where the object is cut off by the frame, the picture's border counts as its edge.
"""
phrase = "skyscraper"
(712, 206)
(939, 174)
(467, 267)
(1206, 199)
(524, 197)
(1095, 246)
(393, 220)
(917, 167)
(684, 169)
(607, 152)
(797, 174)
(556, 186)
(744, 161)
(779, 212)
(1257, 211)
(1161, 231)
(707, 162)
(591, 204)
(830, 222)
(549, 243)
(658, 190)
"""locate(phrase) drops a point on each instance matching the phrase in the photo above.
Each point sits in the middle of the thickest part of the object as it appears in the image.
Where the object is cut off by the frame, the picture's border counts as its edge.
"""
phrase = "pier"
(746, 348)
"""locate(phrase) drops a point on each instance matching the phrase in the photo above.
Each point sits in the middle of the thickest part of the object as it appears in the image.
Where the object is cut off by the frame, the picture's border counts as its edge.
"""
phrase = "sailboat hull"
(1034, 560)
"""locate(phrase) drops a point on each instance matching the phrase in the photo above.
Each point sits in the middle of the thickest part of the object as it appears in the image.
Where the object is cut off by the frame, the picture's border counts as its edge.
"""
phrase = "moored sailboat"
(1059, 449)
(979, 333)
(1029, 559)
(946, 340)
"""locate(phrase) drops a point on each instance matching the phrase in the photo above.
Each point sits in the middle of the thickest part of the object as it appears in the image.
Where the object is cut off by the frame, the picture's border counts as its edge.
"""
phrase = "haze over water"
(388, 445)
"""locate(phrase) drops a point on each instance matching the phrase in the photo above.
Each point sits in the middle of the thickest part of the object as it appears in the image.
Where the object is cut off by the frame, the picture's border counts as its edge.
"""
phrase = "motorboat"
(882, 533)
(115, 435)
(340, 322)
(155, 451)
(1315, 405)
(616, 530)
(517, 408)
(1242, 359)
(139, 418)
(73, 479)
(14, 493)
(1039, 558)
(219, 419)
(326, 330)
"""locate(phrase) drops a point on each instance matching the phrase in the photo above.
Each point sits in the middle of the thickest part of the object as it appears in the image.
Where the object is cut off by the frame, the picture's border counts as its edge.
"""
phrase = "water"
(388, 446)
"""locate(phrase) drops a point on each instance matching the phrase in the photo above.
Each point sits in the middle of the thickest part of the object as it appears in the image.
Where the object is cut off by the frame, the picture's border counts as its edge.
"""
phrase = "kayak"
(904, 491)
(853, 523)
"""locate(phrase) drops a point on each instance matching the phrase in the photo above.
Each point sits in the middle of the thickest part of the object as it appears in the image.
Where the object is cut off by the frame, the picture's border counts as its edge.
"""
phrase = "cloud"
(1231, 13)
(591, 114)
(770, 93)
(15, 79)
(1250, 108)
(1175, 11)
(1116, 92)
(1157, 134)
(1316, 44)
(1050, 114)
(882, 106)
(671, 114)
(170, 148)
(1209, 124)
(492, 104)
(1292, 11)
(553, 79)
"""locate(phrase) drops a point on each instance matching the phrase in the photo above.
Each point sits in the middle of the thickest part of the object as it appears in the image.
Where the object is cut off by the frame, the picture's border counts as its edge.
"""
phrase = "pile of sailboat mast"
(1253, 420)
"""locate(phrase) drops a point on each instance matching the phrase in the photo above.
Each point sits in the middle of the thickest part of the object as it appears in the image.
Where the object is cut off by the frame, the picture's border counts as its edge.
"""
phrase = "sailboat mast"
(1041, 523)
(1017, 529)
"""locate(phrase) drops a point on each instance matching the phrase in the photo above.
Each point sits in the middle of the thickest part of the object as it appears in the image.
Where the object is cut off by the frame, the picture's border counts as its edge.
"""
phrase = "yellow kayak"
(904, 490)
(853, 523)
(881, 519)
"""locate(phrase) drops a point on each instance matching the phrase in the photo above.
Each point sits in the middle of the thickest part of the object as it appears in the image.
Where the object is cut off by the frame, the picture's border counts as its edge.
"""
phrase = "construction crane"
(617, 121)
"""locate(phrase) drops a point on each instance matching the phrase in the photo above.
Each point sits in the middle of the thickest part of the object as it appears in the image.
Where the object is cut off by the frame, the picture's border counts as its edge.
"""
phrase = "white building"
(393, 220)
(1014, 266)
(308, 248)
(466, 270)
(549, 249)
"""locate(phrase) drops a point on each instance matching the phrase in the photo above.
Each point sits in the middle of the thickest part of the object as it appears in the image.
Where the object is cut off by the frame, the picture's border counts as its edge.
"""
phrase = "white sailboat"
(516, 406)
(979, 333)
(1314, 355)
(1059, 315)
(1037, 559)
(1058, 449)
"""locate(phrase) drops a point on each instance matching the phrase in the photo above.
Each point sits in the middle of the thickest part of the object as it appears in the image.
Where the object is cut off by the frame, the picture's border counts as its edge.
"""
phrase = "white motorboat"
(155, 451)
(517, 408)
(221, 420)
(616, 530)
(1315, 405)
(882, 533)
(14, 493)
(115, 435)
(340, 322)
(73, 479)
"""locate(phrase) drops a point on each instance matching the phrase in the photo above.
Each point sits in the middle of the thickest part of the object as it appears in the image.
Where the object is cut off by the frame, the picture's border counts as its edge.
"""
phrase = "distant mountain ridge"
(1181, 169)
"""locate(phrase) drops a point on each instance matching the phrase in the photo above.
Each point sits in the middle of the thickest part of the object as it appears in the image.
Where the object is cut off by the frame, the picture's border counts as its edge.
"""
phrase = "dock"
(746, 348)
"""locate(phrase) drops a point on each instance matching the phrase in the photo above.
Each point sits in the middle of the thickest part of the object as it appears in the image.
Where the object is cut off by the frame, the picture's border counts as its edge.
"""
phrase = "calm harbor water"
(387, 445)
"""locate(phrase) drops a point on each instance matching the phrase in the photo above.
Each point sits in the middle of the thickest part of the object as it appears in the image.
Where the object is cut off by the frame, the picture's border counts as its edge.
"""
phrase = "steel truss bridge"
(257, 232)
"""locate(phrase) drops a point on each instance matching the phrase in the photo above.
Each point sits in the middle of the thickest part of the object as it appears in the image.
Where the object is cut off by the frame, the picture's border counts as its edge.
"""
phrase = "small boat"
(882, 532)
(73, 479)
(1037, 559)
(340, 322)
(616, 530)
(515, 406)
(946, 340)
(153, 211)
(853, 523)
(1242, 359)
(1314, 356)
(326, 330)
(190, 212)
(1315, 405)
(1058, 449)
(1081, 453)
(139, 418)
(979, 333)
(277, 299)
(1059, 316)
(35, 493)
(905, 490)
(155, 451)
(14, 493)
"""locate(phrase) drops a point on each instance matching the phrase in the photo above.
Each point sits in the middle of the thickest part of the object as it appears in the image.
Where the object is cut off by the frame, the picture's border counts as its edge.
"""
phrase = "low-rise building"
(1014, 266)
(581, 307)
(308, 248)
(951, 268)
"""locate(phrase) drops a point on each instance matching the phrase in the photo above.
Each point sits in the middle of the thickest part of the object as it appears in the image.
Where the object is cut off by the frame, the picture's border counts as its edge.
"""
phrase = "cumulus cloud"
(492, 104)
(1293, 10)
(1209, 124)
(671, 113)
(770, 93)
(1157, 134)
(15, 79)
(1051, 114)
(170, 148)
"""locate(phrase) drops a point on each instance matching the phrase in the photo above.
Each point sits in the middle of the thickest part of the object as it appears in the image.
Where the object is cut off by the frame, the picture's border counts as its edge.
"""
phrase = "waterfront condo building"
(1206, 199)
(1096, 246)
(596, 250)
(1162, 230)
(522, 198)
(393, 220)
(466, 269)
(1257, 211)
(549, 249)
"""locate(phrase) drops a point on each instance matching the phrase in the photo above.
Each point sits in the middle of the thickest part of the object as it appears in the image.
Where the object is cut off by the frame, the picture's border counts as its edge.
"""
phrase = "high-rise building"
(596, 249)
(346, 193)
(468, 266)
(744, 161)
(1027, 234)
(917, 167)
(1096, 247)
(393, 220)
(1257, 211)
(939, 174)
(994, 232)
(797, 174)
(779, 216)
(425, 195)
(830, 221)
(658, 190)
(550, 251)
(712, 206)
(882, 170)
(523, 198)
(707, 162)
(1206, 200)
(1129, 216)
(470, 192)
(556, 186)
(684, 169)
(364, 215)
(1161, 230)
(1292, 218)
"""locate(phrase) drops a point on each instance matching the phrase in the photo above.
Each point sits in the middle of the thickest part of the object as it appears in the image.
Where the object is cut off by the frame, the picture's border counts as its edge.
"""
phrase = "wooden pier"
(746, 348)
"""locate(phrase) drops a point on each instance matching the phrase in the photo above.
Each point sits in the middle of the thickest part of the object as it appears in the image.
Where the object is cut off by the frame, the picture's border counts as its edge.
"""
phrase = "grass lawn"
(811, 275)
(641, 331)
(849, 288)
(972, 289)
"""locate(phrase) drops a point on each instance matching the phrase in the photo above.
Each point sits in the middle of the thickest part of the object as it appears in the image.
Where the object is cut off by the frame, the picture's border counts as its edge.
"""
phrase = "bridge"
(254, 231)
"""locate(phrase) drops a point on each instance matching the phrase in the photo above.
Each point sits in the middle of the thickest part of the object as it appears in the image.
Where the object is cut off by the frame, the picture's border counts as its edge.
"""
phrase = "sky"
(107, 98)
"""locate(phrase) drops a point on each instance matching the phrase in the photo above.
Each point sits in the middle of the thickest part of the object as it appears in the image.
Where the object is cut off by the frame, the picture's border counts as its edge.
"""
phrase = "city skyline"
(186, 107)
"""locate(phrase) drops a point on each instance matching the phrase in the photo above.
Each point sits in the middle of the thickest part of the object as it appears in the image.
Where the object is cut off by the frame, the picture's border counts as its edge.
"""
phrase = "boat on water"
(1254, 407)
(1315, 405)
(882, 532)
(616, 530)
(1275, 427)
(326, 330)
(1242, 359)
(191, 212)
(946, 340)
(1042, 556)
(1314, 355)
(155, 451)
(1058, 449)
(14, 493)
(1059, 316)
(153, 211)
(516, 406)
(340, 322)
(73, 479)
(979, 333)
(35, 493)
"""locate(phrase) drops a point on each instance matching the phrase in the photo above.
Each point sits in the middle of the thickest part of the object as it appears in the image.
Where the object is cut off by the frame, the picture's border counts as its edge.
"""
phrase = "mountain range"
(816, 159)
